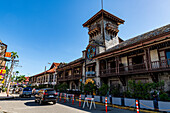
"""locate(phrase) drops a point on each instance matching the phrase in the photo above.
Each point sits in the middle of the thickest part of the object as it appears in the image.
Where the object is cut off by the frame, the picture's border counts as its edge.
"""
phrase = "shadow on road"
(36, 104)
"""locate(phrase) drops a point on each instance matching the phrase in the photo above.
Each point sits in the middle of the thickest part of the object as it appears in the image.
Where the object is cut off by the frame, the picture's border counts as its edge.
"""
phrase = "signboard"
(8, 54)
(90, 72)
(3, 81)
(2, 71)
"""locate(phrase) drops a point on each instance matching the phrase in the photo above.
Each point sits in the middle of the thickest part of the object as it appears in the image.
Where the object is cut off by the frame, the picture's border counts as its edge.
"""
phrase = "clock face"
(91, 51)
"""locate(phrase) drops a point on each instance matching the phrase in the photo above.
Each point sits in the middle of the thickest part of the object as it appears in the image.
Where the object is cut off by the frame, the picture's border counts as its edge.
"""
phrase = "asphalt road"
(27, 105)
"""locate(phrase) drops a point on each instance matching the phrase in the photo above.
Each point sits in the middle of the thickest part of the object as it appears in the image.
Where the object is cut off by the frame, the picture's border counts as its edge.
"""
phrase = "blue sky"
(43, 31)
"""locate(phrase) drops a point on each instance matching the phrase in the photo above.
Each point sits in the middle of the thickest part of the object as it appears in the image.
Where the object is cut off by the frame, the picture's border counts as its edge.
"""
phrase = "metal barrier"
(92, 102)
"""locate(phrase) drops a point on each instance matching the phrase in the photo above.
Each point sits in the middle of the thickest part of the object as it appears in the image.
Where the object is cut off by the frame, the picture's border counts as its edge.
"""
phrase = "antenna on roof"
(103, 35)
(102, 3)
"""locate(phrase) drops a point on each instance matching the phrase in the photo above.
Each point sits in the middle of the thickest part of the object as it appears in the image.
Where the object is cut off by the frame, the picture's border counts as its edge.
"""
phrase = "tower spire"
(102, 3)
(103, 34)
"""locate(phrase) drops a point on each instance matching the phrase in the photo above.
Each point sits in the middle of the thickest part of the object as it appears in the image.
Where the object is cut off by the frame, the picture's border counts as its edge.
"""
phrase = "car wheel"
(54, 102)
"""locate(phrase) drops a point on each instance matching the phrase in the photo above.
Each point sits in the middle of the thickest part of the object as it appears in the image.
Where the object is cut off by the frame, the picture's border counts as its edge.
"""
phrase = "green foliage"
(61, 87)
(81, 87)
(143, 90)
(127, 94)
(103, 89)
(115, 90)
(14, 55)
(163, 96)
(20, 78)
(42, 86)
(17, 72)
(89, 88)
(7, 69)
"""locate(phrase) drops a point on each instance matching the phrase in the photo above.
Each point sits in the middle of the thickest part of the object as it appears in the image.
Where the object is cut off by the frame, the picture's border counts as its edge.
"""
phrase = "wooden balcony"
(74, 77)
(67, 78)
(155, 66)
(61, 79)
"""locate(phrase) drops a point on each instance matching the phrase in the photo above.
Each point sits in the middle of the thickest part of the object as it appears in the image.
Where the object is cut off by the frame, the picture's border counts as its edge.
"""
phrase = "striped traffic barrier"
(92, 102)
(106, 103)
(60, 97)
(80, 100)
(57, 96)
(64, 97)
(73, 99)
(137, 106)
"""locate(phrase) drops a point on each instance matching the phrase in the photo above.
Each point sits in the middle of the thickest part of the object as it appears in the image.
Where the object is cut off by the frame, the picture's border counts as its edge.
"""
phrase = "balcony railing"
(71, 77)
(154, 66)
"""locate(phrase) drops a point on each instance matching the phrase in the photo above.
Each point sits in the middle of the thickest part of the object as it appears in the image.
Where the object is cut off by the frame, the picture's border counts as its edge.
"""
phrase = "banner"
(2, 71)
(3, 81)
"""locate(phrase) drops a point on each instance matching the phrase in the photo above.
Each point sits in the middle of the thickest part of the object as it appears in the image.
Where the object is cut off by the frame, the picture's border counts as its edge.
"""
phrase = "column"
(97, 73)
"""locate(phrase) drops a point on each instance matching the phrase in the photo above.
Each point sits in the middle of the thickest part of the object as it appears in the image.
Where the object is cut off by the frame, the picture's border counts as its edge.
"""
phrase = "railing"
(137, 68)
(61, 79)
(71, 77)
(133, 68)
(108, 72)
(160, 64)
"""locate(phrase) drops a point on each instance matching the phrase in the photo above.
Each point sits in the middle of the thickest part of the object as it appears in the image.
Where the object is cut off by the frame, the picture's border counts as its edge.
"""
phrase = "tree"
(90, 88)
(103, 89)
(13, 57)
(20, 78)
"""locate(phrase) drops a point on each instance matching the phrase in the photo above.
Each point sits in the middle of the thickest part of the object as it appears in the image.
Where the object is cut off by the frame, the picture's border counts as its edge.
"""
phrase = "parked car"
(35, 91)
(46, 95)
(26, 92)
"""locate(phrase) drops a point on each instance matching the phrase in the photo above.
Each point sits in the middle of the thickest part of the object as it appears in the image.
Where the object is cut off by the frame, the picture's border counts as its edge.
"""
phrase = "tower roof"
(105, 14)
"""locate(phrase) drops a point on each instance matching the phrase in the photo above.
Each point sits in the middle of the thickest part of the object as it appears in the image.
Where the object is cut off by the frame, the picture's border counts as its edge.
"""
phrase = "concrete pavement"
(27, 105)
(3, 96)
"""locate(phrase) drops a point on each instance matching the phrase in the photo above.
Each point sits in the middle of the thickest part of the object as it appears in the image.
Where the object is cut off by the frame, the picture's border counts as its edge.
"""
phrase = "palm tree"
(20, 78)
(13, 57)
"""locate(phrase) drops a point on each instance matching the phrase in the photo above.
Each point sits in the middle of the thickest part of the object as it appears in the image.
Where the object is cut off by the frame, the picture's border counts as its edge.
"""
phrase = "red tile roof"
(50, 70)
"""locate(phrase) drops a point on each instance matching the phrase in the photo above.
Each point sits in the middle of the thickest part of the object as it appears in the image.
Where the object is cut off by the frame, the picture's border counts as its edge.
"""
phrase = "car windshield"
(50, 91)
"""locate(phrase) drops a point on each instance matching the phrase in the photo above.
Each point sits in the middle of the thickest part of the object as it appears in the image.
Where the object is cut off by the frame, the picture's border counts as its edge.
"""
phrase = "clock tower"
(103, 35)
(103, 31)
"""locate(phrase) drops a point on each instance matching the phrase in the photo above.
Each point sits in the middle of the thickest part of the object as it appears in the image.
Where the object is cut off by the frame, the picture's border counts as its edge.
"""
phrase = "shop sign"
(8, 54)
(2, 71)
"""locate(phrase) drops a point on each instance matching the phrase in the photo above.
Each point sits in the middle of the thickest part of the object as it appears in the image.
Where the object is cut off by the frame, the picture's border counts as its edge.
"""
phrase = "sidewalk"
(3, 96)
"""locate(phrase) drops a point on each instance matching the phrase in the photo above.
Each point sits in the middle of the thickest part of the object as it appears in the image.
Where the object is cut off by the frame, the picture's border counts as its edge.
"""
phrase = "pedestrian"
(0, 89)
(155, 101)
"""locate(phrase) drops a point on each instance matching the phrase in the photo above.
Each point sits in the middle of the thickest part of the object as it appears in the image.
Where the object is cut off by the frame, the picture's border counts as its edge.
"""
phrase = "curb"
(8, 98)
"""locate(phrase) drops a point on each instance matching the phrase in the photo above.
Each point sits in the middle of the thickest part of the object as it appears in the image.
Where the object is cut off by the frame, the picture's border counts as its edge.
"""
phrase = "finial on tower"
(102, 3)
